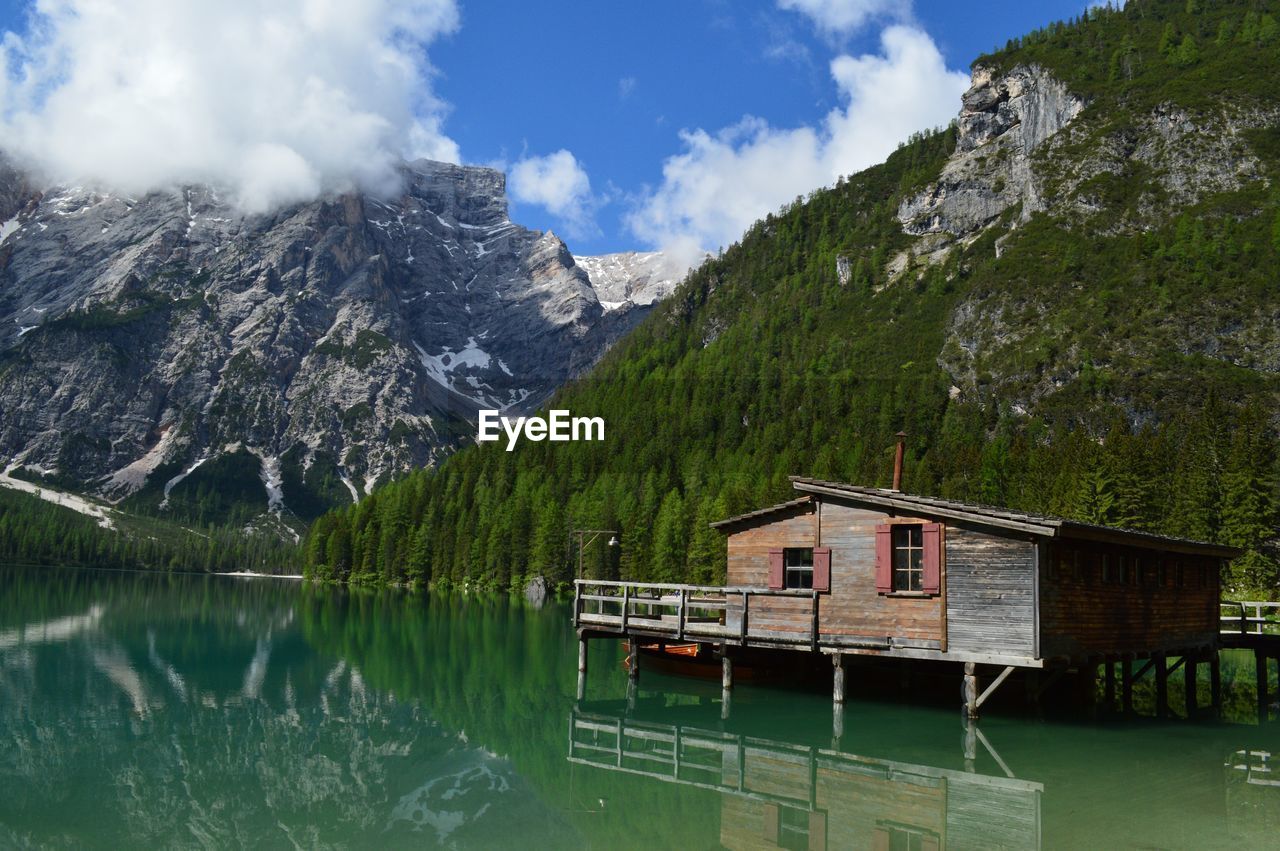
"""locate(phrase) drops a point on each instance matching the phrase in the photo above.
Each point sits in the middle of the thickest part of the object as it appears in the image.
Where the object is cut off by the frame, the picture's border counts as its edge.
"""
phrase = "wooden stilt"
(1189, 685)
(837, 679)
(970, 690)
(1126, 687)
(837, 724)
(633, 661)
(970, 744)
(1162, 686)
(582, 668)
(726, 703)
(1215, 683)
(726, 672)
(1260, 665)
(1109, 685)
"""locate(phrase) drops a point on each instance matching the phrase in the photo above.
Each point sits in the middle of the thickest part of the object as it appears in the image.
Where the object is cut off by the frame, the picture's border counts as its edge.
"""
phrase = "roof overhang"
(994, 518)
(763, 513)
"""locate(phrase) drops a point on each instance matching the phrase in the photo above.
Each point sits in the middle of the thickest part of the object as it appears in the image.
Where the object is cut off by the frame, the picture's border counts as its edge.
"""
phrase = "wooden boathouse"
(850, 571)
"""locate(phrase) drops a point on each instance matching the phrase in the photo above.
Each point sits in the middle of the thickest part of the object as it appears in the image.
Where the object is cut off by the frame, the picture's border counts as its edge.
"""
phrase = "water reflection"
(194, 712)
(778, 794)
(144, 710)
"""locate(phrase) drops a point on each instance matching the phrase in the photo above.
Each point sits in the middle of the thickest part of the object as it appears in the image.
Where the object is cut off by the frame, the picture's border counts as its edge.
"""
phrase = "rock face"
(1003, 120)
(141, 337)
(1026, 146)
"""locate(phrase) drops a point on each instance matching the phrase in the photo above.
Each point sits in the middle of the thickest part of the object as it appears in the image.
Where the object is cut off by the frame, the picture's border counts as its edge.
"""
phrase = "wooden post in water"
(582, 667)
(837, 724)
(1126, 686)
(837, 679)
(1215, 683)
(633, 659)
(1162, 685)
(1189, 685)
(970, 744)
(726, 672)
(970, 690)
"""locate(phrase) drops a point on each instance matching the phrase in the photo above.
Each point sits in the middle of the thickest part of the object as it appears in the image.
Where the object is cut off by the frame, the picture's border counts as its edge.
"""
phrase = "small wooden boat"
(685, 660)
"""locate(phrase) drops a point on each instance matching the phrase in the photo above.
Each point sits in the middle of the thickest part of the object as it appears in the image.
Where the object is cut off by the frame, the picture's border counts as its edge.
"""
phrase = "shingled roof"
(1003, 518)
(761, 512)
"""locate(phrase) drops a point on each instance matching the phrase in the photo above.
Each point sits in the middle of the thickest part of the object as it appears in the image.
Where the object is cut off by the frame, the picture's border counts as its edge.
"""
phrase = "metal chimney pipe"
(897, 460)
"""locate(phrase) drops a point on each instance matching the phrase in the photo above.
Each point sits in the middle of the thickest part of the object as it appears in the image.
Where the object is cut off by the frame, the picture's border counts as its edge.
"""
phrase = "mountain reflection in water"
(157, 710)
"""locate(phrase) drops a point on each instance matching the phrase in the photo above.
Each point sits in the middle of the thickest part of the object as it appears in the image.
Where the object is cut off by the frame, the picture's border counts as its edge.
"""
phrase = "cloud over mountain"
(273, 100)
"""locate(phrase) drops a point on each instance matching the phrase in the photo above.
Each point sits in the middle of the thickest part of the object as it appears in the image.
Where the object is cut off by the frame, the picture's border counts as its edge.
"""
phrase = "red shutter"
(777, 576)
(884, 559)
(932, 534)
(822, 568)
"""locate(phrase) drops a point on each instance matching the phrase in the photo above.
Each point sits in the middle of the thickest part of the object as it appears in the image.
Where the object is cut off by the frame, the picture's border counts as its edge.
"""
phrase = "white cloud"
(558, 183)
(843, 17)
(276, 100)
(723, 182)
(626, 86)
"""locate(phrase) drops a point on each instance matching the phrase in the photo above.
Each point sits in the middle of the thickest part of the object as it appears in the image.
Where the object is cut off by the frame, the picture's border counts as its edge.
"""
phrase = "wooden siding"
(990, 593)
(749, 546)
(1081, 615)
(749, 565)
(988, 603)
(854, 607)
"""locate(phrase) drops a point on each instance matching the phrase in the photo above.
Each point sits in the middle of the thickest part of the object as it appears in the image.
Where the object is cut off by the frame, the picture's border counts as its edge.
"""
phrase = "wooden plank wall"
(1081, 615)
(749, 545)
(749, 565)
(990, 586)
(854, 607)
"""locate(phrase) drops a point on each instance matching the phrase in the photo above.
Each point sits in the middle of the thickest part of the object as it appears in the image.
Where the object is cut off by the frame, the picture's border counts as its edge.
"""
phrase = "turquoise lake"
(183, 711)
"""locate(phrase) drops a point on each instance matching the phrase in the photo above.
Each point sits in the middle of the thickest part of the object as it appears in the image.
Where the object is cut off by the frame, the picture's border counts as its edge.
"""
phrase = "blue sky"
(622, 125)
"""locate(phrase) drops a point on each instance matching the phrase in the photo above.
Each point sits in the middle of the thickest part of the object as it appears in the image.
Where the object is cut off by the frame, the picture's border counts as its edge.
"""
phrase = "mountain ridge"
(330, 343)
(1076, 323)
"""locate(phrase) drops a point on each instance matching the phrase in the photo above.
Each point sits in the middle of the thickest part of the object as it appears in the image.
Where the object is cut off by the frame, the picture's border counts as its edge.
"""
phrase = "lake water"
(142, 710)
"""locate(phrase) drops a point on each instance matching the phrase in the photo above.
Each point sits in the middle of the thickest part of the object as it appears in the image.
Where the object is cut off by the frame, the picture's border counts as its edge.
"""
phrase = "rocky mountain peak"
(334, 342)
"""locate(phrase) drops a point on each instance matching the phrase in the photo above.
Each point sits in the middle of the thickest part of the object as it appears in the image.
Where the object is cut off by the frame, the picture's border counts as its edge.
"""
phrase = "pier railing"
(1250, 618)
(721, 613)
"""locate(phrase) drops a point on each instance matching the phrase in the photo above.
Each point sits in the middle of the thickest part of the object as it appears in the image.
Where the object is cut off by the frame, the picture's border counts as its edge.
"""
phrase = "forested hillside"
(1103, 346)
(33, 531)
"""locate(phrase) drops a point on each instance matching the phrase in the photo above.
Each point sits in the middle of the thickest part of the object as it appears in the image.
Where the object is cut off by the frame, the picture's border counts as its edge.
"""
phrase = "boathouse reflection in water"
(777, 794)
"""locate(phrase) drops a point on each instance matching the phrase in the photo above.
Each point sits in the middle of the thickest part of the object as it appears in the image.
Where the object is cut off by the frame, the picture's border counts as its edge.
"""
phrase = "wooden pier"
(1255, 626)
(731, 619)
